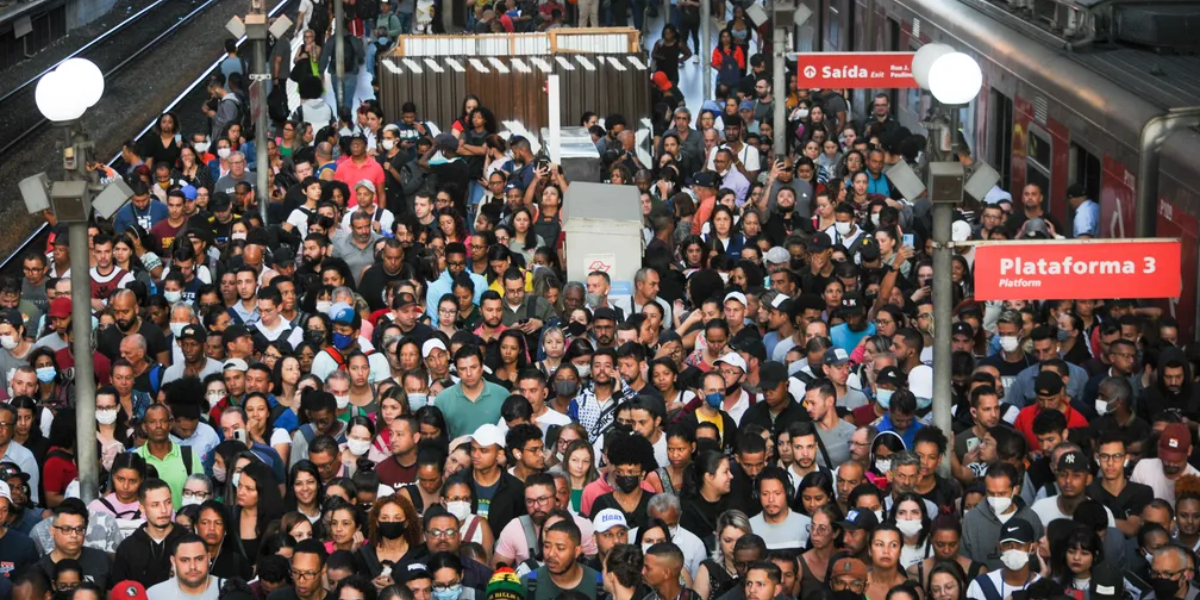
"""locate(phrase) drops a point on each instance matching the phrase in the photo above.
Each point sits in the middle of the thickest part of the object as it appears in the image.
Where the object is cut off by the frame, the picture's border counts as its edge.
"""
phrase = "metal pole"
(706, 47)
(943, 393)
(261, 129)
(778, 87)
(554, 140)
(1154, 134)
(85, 382)
(339, 32)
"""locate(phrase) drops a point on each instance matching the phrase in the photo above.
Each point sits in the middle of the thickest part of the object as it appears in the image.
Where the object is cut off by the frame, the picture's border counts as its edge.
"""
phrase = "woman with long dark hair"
(706, 490)
(910, 516)
(162, 144)
(305, 491)
(824, 539)
(394, 536)
(213, 525)
(815, 490)
(524, 240)
(258, 505)
(724, 233)
(730, 63)
(884, 571)
(512, 358)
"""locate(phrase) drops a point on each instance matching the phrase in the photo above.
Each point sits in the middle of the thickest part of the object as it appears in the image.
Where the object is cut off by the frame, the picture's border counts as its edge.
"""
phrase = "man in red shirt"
(1050, 396)
(359, 166)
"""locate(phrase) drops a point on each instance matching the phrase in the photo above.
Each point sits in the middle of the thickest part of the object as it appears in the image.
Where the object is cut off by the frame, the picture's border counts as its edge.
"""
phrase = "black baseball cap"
(194, 333)
(1048, 383)
(604, 313)
(233, 333)
(852, 303)
(771, 374)
(962, 328)
(705, 179)
(819, 242)
(1017, 530)
(1074, 461)
(892, 375)
(9, 470)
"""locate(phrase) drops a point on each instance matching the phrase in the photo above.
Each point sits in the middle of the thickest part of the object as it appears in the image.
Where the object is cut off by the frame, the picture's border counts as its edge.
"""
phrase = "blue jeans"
(638, 8)
(406, 21)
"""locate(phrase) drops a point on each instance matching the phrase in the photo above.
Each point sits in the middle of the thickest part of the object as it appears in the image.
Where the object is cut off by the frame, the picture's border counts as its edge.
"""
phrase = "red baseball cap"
(128, 590)
(1175, 442)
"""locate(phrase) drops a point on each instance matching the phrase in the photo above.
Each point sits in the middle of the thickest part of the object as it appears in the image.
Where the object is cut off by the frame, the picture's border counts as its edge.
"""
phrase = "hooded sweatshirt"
(981, 532)
(1158, 398)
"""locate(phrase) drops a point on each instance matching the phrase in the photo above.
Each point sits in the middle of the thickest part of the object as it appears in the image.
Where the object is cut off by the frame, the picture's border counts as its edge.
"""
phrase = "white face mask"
(106, 417)
(999, 505)
(172, 296)
(843, 229)
(802, 113)
(358, 447)
(223, 153)
(1014, 560)
(389, 144)
(878, 515)
(191, 501)
(237, 479)
(909, 527)
(1009, 343)
(8, 342)
(1101, 407)
(875, 219)
(460, 510)
(177, 329)
(585, 371)
(201, 147)
(883, 465)
(342, 401)
(238, 235)
(323, 306)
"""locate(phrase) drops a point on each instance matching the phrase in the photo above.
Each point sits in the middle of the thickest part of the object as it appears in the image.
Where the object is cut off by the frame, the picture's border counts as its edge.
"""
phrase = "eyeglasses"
(304, 575)
(441, 533)
(1120, 456)
(82, 529)
(1165, 574)
(442, 588)
(857, 586)
(543, 501)
(192, 494)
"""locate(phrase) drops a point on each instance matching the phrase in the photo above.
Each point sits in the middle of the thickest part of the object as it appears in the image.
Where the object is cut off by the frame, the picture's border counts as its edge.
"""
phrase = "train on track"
(1068, 86)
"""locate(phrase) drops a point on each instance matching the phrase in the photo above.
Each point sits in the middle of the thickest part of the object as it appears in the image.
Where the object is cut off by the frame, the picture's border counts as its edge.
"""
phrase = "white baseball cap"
(607, 519)
(740, 297)
(431, 344)
(920, 381)
(488, 434)
(734, 359)
(235, 364)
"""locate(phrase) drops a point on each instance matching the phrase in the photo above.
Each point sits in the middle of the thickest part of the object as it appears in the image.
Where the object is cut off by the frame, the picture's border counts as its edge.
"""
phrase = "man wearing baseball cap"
(22, 514)
(733, 369)
(1174, 448)
(1073, 474)
(848, 574)
(836, 368)
(1049, 388)
(499, 497)
(17, 550)
(855, 327)
(609, 529)
(381, 218)
(888, 379)
(1017, 542)
(779, 408)
(856, 531)
(195, 363)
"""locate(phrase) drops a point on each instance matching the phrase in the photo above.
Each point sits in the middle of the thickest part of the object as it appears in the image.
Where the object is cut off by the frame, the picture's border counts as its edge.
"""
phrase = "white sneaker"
(695, 60)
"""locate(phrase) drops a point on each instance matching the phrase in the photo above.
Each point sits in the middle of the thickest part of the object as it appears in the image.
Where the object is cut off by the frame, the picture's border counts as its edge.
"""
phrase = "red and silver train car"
(1067, 87)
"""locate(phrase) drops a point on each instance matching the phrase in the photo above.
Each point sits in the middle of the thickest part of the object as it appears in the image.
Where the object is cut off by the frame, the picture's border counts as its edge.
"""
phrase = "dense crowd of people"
(388, 388)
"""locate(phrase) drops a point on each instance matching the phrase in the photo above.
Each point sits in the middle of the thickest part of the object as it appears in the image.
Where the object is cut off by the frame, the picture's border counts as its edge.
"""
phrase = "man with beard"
(1073, 475)
(442, 535)
(144, 556)
(195, 363)
(357, 247)
(855, 327)
(905, 473)
(781, 527)
(596, 405)
(517, 542)
(128, 322)
(390, 268)
(1173, 389)
(1174, 447)
(316, 248)
(856, 532)
(561, 546)
(848, 579)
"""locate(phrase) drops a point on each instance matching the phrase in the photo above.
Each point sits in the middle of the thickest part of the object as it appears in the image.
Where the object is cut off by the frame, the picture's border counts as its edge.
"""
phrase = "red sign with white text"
(857, 70)
(1078, 270)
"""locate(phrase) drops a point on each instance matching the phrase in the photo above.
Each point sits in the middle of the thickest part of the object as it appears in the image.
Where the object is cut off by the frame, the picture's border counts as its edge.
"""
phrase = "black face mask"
(576, 329)
(391, 531)
(797, 264)
(1164, 589)
(315, 337)
(626, 483)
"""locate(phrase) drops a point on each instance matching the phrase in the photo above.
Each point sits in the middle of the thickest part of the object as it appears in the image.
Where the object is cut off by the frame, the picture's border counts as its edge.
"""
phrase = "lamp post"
(62, 96)
(953, 79)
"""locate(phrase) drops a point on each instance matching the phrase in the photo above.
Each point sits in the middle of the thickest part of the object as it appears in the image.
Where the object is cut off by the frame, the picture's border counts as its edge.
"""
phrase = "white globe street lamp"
(955, 79)
(65, 93)
(924, 59)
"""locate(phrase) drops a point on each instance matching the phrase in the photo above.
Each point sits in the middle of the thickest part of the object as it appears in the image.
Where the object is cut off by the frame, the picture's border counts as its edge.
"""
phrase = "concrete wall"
(82, 12)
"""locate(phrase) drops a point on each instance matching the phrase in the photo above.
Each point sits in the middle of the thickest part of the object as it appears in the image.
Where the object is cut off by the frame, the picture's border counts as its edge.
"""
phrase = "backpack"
(340, 359)
(318, 22)
(277, 103)
(239, 116)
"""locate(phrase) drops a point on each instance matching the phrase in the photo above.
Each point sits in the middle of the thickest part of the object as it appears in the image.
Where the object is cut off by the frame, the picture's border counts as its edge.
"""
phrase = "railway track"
(20, 100)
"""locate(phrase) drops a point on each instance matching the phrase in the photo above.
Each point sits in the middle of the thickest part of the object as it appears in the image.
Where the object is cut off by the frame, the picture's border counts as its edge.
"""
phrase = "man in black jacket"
(779, 409)
(145, 556)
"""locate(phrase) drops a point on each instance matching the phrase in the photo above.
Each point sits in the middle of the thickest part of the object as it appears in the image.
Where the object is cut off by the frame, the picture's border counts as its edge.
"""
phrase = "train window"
(1085, 169)
(835, 26)
(893, 35)
(1000, 132)
(1037, 159)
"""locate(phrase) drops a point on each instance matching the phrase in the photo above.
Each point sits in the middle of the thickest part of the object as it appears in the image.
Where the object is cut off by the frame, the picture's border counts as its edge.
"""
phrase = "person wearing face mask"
(1011, 359)
(630, 457)
(708, 407)
(1016, 545)
(985, 526)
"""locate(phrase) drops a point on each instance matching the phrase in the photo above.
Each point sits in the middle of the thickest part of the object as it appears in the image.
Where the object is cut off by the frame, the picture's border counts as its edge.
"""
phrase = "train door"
(1175, 222)
(1000, 133)
(1085, 169)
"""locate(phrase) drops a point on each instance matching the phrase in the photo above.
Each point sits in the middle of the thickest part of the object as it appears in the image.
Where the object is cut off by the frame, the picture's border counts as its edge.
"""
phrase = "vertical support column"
(554, 140)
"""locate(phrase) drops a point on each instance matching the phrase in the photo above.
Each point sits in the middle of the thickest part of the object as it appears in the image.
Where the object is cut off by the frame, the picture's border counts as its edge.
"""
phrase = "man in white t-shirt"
(1073, 475)
(780, 527)
(381, 218)
(190, 564)
(1174, 447)
(1016, 545)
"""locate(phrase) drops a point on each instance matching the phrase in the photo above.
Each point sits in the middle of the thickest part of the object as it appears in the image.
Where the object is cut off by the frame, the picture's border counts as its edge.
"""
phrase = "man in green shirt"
(170, 459)
(472, 401)
(561, 546)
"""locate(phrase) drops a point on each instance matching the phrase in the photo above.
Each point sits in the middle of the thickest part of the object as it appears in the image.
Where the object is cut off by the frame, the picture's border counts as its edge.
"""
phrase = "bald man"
(147, 374)
(125, 308)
